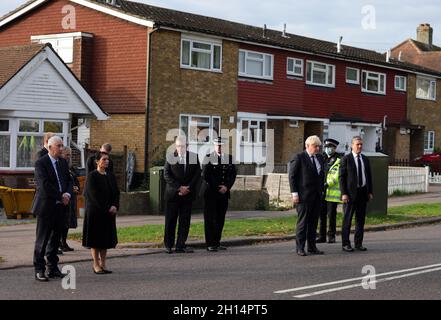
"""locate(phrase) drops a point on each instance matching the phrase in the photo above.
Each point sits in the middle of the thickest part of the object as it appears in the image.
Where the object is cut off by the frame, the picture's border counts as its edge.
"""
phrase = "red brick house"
(424, 103)
(154, 69)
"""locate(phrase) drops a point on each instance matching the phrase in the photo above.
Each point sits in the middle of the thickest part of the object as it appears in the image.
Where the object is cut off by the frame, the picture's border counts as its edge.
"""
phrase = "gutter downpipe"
(147, 116)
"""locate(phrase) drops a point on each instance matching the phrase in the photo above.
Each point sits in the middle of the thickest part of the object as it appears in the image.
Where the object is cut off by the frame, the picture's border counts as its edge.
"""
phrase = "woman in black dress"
(101, 194)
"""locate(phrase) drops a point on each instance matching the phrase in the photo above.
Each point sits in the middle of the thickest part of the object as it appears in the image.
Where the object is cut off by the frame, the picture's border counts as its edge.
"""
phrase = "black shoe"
(60, 253)
(221, 248)
(301, 252)
(315, 251)
(360, 248)
(40, 276)
(321, 240)
(331, 240)
(169, 250)
(107, 271)
(66, 248)
(348, 248)
(184, 250)
(212, 249)
(98, 272)
(55, 274)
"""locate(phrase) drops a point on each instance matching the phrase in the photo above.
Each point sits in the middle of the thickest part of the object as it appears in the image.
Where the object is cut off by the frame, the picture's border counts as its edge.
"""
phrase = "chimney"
(425, 33)
(284, 31)
(388, 55)
(264, 31)
(339, 44)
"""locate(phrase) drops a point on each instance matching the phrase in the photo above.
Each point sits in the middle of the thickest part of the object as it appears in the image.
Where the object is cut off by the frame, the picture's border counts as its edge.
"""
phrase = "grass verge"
(279, 226)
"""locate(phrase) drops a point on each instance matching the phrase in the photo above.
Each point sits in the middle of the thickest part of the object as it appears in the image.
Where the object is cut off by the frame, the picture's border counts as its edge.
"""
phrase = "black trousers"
(359, 208)
(215, 209)
(308, 215)
(328, 212)
(175, 210)
(47, 242)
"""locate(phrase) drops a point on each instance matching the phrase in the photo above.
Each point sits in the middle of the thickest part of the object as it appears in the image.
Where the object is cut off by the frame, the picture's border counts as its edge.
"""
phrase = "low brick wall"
(134, 203)
(247, 200)
(278, 189)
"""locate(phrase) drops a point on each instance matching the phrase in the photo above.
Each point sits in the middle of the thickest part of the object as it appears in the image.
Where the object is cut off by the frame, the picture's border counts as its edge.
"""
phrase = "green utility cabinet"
(380, 179)
(157, 190)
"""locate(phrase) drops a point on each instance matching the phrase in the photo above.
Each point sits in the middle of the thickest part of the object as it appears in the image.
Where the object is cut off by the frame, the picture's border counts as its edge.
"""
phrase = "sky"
(371, 24)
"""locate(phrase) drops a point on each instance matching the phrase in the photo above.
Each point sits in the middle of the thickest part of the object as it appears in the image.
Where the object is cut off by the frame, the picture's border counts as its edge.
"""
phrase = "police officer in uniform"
(331, 199)
(219, 174)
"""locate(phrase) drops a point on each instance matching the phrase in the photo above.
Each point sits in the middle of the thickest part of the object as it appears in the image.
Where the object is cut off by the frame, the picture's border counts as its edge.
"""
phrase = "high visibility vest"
(333, 193)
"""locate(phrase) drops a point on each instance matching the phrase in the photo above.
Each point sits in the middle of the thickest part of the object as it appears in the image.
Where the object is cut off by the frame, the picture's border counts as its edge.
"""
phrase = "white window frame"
(432, 88)
(430, 143)
(251, 127)
(364, 85)
(7, 133)
(210, 126)
(295, 61)
(14, 125)
(263, 60)
(211, 43)
(352, 81)
(398, 88)
(313, 68)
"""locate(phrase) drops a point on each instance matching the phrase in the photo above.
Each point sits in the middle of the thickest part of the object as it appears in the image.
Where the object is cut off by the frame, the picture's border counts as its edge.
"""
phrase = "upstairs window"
(352, 76)
(294, 67)
(320, 74)
(201, 55)
(62, 46)
(400, 83)
(426, 88)
(373, 82)
(256, 65)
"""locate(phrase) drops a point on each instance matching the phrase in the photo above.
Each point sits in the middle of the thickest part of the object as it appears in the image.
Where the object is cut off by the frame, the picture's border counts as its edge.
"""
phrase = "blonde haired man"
(306, 178)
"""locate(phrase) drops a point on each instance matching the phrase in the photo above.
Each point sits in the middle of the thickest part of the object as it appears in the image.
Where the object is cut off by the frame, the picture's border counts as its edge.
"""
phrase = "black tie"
(315, 164)
(360, 172)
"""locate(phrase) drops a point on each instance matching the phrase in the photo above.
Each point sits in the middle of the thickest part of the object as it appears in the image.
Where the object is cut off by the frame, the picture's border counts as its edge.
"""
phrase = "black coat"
(349, 178)
(304, 179)
(176, 176)
(42, 153)
(47, 190)
(216, 173)
(101, 193)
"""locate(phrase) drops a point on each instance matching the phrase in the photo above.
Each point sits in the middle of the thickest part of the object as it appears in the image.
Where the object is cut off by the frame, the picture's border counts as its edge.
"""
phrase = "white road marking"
(316, 293)
(355, 279)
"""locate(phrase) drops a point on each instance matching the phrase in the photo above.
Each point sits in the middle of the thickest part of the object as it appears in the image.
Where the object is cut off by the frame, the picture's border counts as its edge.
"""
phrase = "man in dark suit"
(91, 161)
(182, 173)
(219, 175)
(306, 179)
(54, 190)
(356, 190)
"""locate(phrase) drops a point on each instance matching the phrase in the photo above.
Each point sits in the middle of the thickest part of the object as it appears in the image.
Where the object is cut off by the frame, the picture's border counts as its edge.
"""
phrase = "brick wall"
(120, 130)
(425, 112)
(176, 91)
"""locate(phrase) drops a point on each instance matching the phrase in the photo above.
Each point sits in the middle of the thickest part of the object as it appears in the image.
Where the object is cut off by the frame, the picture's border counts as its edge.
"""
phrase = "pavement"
(17, 241)
(407, 265)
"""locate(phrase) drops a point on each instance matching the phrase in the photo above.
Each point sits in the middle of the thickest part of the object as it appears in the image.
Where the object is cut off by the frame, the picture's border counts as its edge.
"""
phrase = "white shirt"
(362, 168)
(54, 165)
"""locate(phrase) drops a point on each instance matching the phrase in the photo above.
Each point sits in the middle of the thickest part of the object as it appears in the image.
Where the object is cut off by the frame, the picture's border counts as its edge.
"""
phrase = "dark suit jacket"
(42, 153)
(47, 189)
(349, 178)
(176, 176)
(216, 173)
(304, 179)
